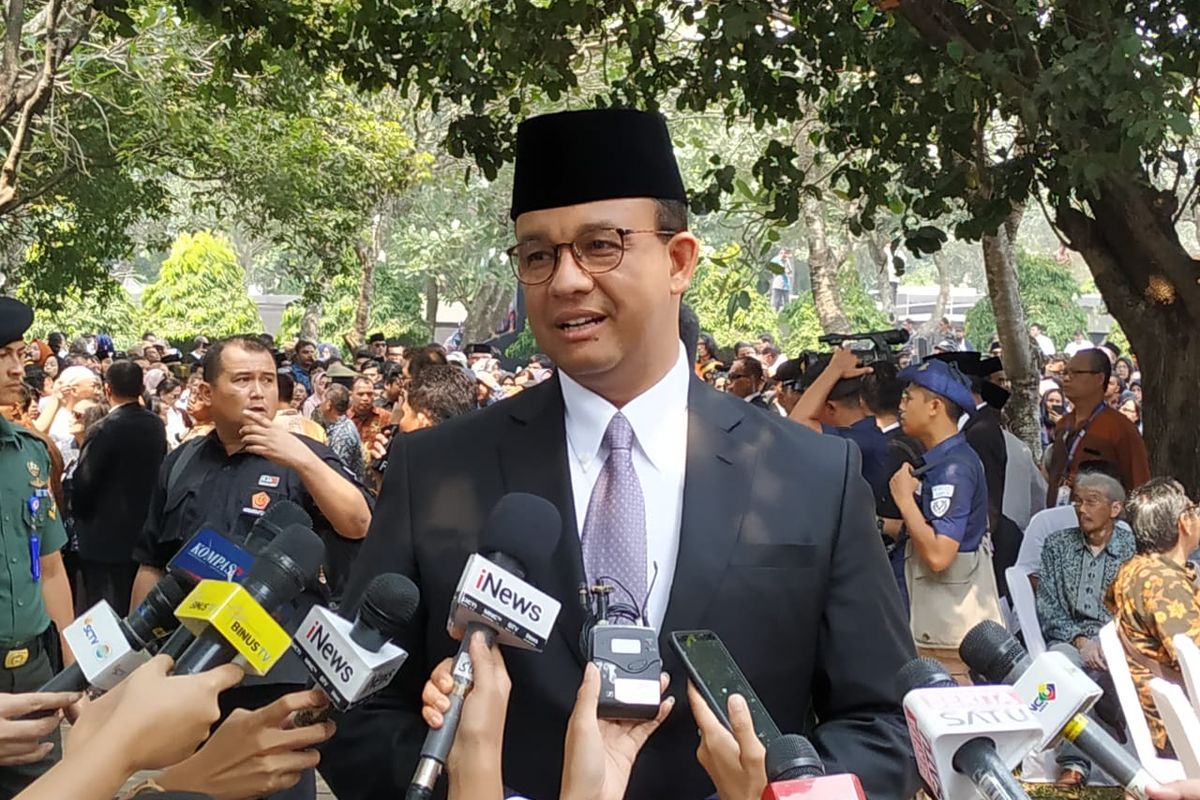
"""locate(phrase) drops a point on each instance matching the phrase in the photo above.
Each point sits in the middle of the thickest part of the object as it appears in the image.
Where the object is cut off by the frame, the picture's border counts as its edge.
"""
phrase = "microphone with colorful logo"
(209, 555)
(351, 661)
(967, 739)
(234, 621)
(989, 650)
(494, 598)
(108, 648)
(795, 772)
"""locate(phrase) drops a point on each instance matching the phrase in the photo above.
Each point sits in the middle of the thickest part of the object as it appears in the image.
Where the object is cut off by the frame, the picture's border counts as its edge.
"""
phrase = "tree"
(108, 309)
(396, 311)
(801, 326)
(725, 297)
(200, 290)
(1048, 295)
(1092, 102)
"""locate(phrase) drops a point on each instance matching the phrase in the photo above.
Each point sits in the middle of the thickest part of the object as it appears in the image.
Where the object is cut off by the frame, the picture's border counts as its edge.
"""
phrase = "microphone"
(990, 651)
(350, 661)
(494, 598)
(795, 772)
(231, 620)
(210, 556)
(965, 738)
(107, 648)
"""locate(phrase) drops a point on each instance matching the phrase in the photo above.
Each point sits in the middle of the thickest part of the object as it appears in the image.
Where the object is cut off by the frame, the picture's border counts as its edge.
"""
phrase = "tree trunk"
(880, 256)
(431, 304)
(485, 309)
(368, 256)
(942, 302)
(1023, 412)
(1148, 281)
(823, 265)
(310, 323)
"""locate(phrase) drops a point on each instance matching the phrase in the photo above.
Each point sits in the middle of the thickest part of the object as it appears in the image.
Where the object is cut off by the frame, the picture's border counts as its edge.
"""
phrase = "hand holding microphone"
(1180, 790)
(21, 739)
(600, 753)
(474, 761)
(254, 753)
(154, 718)
(735, 759)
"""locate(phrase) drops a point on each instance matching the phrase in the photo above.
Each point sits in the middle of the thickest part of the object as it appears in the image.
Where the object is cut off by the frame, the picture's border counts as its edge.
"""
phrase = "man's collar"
(588, 414)
(1120, 544)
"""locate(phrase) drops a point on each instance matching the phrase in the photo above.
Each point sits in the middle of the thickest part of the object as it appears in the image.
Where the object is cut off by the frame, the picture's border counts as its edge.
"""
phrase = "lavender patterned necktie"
(614, 532)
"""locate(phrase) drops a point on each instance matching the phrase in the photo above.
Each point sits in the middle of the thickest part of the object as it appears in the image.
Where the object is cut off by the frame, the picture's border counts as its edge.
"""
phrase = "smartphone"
(714, 672)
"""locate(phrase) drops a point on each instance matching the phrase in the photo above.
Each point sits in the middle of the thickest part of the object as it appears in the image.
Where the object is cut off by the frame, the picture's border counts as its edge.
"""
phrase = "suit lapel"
(716, 493)
(533, 459)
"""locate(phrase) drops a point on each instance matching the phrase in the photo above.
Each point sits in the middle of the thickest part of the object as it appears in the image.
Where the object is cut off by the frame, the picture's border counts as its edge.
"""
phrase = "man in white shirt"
(713, 515)
(1043, 341)
(1081, 342)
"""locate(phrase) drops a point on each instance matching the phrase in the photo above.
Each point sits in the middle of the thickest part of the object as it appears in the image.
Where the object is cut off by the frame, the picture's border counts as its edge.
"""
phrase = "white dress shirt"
(659, 420)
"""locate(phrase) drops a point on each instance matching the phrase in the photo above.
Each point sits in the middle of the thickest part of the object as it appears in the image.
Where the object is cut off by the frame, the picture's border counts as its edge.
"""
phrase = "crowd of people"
(915, 498)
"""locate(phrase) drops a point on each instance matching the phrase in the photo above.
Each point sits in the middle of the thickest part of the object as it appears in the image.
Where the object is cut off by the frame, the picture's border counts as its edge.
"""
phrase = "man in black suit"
(750, 526)
(111, 490)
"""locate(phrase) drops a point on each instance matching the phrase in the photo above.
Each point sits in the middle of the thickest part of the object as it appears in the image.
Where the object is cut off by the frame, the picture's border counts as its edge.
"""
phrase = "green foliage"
(397, 310)
(801, 327)
(1048, 295)
(201, 289)
(725, 296)
(523, 346)
(106, 309)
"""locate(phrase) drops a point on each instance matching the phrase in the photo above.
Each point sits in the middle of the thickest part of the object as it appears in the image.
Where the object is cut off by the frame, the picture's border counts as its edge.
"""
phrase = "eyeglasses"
(596, 251)
(731, 376)
(1070, 373)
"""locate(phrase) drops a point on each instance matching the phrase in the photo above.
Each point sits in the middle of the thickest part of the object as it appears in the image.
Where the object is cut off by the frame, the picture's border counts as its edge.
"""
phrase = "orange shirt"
(1110, 437)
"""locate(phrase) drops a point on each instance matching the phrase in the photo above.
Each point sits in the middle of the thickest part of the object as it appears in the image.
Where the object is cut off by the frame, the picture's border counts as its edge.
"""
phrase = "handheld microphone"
(350, 661)
(210, 556)
(990, 651)
(229, 619)
(494, 598)
(107, 648)
(795, 772)
(965, 738)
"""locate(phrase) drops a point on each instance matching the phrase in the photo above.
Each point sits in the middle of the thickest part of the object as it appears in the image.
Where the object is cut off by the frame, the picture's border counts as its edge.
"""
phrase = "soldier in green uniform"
(34, 591)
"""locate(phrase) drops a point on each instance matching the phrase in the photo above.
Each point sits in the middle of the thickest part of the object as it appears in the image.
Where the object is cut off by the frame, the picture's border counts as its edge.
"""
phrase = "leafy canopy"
(200, 290)
(1049, 296)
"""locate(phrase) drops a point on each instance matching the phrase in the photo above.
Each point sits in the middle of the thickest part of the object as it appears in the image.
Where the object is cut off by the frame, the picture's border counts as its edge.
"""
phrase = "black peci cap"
(577, 157)
(15, 319)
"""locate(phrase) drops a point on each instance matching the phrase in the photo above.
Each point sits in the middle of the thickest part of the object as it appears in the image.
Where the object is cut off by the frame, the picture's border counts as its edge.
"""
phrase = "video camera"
(871, 346)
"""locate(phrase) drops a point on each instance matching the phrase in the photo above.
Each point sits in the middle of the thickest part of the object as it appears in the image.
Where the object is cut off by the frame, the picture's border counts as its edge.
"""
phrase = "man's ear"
(684, 252)
(423, 421)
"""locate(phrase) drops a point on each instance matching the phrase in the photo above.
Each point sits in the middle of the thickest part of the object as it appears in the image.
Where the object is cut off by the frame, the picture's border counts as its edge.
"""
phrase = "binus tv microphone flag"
(209, 555)
(493, 597)
(351, 661)
(231, 620)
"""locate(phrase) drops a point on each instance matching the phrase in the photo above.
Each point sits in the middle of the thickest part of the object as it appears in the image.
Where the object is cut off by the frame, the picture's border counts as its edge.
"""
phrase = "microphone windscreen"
(281, 515)
(524, 527)
(294, 557)
(792, 757)
(389, 604)
(990, 650)
(923, 673)
(174, 588)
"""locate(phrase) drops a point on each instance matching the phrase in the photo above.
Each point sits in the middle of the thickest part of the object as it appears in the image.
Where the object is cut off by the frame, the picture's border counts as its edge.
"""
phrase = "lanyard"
(1075, 438)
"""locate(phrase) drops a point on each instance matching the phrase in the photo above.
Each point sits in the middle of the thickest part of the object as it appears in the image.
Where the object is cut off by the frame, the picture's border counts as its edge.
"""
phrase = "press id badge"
(1064, 495)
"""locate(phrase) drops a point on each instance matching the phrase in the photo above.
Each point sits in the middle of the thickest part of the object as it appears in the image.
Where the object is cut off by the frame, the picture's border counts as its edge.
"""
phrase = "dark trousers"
(28, 678)
(257, 696)
(111, 582)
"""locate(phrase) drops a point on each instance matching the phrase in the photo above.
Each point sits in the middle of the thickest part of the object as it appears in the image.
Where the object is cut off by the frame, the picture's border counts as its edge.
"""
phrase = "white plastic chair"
(1189, 665)
(1020, 591)
(1164, 769)
(1179, 718)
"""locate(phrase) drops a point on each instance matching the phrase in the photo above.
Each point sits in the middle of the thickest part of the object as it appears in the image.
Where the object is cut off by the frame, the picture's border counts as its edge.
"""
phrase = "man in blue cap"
(943, 504)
